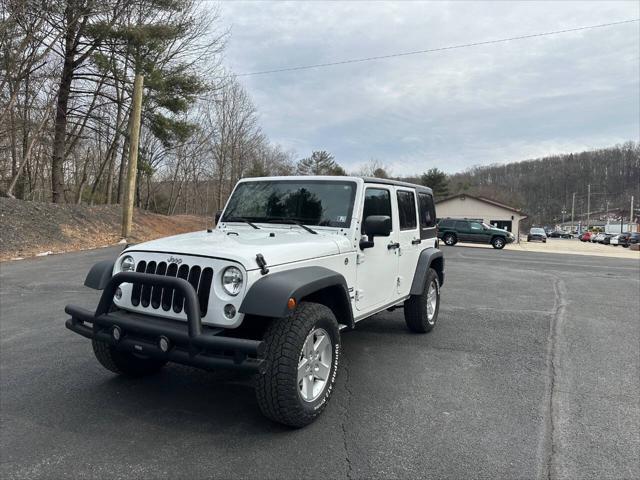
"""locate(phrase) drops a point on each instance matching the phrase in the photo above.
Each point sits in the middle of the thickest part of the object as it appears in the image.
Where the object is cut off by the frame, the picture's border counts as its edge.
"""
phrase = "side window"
(475, 226)
(446, 224)
(427, 211)
(461, 226)
(377, 201)
(407, 210)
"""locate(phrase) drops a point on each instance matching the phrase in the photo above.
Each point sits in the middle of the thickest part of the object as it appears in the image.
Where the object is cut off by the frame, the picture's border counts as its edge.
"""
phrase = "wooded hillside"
(543, 187)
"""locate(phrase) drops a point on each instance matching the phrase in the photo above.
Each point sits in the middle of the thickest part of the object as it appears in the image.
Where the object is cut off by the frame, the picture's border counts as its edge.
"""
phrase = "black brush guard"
(191, 344)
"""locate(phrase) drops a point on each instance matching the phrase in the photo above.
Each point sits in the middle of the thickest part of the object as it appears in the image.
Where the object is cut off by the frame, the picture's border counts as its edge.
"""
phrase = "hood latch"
(262, 263)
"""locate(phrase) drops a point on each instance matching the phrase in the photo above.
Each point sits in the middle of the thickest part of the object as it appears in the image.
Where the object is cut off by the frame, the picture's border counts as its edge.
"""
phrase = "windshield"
(311, 202)
(538, 231)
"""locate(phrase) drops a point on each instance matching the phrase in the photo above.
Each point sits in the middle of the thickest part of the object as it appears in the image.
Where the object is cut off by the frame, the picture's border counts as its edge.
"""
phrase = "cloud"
(452, 109)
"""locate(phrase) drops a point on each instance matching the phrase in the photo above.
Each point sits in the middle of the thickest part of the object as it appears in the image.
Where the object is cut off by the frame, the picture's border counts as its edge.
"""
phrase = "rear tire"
(450, 239)
(498, 243)
(421, 311)
(301, 367)
(125, 363)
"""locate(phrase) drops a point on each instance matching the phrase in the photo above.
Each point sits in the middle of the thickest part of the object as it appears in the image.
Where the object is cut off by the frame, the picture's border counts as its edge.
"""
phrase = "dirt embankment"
(30, 228)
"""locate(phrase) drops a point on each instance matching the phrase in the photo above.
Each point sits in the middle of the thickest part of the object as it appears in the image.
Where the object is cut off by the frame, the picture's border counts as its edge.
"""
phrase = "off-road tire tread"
(121, 363)
(277, 398)
(414, 308)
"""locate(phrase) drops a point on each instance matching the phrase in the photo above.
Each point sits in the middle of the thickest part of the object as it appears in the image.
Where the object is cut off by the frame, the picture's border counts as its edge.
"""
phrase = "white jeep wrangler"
(292, 262)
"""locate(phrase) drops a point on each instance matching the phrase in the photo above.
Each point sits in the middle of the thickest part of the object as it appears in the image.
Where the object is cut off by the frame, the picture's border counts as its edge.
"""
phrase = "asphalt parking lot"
(532, 372)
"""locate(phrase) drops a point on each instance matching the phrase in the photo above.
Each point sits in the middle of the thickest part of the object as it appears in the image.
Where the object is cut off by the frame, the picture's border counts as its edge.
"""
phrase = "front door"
(478, 233)
(377, 266)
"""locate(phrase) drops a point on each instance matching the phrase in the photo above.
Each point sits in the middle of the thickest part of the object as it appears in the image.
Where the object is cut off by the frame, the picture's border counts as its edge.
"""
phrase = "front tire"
(450, 239)
(421, 311)
(498, 243)
(302, 357)
(125, 363)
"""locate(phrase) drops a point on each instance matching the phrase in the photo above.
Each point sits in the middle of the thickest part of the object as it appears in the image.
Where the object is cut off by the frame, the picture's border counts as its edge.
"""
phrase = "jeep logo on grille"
(174, 260)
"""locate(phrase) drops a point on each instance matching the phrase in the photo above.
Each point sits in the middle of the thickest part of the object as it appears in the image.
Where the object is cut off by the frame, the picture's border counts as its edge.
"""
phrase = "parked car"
(597, 237)
(606, 238)
(537, 235)
(452, 231)
(269, 290)
(618, 239)
(586, 236)
(559, 234)
(631, 238)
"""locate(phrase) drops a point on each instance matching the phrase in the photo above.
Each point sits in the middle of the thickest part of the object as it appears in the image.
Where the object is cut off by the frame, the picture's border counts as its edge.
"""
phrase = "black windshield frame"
(234, 205)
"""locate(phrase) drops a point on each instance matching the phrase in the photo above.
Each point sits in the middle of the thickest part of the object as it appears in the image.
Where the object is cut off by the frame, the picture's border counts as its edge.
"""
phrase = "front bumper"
(189, 344)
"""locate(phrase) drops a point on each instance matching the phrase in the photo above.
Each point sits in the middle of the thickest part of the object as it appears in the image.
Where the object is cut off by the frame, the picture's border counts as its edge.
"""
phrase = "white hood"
(242, 244)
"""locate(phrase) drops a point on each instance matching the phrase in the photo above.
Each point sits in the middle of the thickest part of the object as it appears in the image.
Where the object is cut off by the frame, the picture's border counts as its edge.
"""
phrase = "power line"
(430, 50)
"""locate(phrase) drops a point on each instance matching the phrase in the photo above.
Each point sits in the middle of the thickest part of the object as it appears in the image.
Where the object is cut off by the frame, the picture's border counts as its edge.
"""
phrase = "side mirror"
(375, 226)
(217, 216)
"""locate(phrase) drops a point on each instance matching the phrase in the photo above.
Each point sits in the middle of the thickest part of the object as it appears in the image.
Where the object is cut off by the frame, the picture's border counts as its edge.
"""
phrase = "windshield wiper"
(291, 221)
(240, 219)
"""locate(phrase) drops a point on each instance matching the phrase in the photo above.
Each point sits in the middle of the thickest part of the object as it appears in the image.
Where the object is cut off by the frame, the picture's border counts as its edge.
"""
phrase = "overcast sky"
(454, 109)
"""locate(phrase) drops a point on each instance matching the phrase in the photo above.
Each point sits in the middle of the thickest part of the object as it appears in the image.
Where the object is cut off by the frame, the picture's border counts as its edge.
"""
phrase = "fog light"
(118, 293)
(164, 343)
(229, 311)
(116, 333)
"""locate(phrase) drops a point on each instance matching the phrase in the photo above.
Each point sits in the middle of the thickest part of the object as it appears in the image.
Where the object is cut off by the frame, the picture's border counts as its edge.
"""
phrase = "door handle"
(392, 246)
(416, 241)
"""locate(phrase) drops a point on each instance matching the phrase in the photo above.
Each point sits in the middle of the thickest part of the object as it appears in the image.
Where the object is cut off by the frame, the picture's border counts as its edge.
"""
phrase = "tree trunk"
(60, 128)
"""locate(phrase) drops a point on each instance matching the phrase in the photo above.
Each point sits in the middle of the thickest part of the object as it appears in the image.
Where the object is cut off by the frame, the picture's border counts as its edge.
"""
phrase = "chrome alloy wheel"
(314, 364)
(432, 301)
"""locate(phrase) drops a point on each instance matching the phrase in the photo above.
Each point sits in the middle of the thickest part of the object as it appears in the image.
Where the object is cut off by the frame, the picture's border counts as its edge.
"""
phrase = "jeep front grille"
(168, 298)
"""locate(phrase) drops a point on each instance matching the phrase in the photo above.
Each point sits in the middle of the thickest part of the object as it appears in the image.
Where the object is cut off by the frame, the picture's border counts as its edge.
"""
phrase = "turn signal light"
(291, 304)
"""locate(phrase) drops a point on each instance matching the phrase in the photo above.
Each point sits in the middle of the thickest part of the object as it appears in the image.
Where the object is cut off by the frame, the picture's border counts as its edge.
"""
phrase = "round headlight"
(127, 264)
(232, 280)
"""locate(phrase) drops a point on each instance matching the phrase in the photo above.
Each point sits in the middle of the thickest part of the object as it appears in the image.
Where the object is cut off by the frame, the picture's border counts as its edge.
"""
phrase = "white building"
(480, 208)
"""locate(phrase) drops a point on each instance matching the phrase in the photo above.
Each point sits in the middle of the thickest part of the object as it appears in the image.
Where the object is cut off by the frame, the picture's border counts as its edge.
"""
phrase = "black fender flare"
(428, 257)
(99, 275)
(269, 296)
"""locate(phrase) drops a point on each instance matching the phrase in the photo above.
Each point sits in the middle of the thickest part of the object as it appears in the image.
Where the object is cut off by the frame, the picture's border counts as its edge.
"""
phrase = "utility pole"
(134, 140)
(573, 206)
(588, 205)
(631, 215)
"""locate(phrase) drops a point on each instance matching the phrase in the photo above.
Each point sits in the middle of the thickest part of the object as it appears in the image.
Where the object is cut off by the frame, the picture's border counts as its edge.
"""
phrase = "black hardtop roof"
(386, 181)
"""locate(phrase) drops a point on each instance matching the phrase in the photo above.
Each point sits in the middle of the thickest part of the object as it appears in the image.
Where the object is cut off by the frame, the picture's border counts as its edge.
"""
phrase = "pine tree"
(319, 163)
(437, 180)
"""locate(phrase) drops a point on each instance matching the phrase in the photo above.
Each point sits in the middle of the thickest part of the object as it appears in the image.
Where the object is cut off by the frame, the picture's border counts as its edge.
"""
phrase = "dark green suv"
(452, 231)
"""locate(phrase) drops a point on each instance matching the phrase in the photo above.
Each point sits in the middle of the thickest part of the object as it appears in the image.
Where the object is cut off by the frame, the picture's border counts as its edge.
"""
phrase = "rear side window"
(427, 211)
(377, 201)
(446, 223)
(407, 210)
(461, 225)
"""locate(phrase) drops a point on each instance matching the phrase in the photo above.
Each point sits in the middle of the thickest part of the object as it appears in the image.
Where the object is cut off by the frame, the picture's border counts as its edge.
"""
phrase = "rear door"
(462, 230)
(408, 238)
(427, 215)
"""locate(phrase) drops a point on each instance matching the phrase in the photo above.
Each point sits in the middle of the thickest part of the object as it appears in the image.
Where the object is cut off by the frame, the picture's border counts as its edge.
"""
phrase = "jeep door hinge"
(359, 295)
(360, 259)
